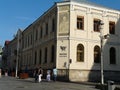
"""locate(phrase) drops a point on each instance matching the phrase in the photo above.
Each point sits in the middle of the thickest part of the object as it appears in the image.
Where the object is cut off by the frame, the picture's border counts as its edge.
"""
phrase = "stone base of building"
(87, 75)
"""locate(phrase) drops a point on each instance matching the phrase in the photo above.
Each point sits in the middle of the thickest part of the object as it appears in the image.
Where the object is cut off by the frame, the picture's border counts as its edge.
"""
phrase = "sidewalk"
(53, 85)
(44, 80)
(12, 83)
(81, 83)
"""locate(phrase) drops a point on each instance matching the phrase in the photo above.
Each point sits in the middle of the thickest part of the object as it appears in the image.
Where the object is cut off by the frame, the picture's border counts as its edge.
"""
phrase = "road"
(12, 83)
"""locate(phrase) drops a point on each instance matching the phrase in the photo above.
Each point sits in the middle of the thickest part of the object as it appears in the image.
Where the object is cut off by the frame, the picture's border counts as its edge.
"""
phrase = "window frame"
(52, 53)
(53, 25)
(46, 33)
(96, 25)
(80, 53)
(97, 54)
(112, 56)
(35, 61)
(45, 55)
(111, 27)
(80, 23)
(40, 56)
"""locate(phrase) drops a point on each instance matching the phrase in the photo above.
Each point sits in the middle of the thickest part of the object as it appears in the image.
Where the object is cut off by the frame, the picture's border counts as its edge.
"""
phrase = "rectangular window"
(112, 27)
(40, 57)
(36, 34)
(46, 28)
(52, 53)
(80, 22)
(96, 25)
(35, 62)
(31, 39)
(53, 25)
(28, 40)
(41, 32)
(45, 57)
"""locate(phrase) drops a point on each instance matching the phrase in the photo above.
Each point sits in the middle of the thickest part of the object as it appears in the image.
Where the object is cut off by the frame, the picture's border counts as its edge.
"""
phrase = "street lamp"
(18, 37)
(102, 37)
(67, 65)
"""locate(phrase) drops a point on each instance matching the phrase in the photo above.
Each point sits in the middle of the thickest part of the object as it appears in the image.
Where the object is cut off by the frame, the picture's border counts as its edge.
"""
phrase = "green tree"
(1, 53)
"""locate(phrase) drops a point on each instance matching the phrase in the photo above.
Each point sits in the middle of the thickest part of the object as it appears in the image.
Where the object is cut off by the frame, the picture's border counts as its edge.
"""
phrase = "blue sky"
(15, 14)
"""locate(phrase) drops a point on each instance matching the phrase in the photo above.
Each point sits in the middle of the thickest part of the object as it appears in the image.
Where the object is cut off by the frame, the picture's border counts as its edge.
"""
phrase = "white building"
(69, 31)
(80, 37)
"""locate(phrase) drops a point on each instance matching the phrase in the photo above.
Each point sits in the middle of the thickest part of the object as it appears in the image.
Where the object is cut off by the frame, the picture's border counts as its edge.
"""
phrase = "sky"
(15, 14)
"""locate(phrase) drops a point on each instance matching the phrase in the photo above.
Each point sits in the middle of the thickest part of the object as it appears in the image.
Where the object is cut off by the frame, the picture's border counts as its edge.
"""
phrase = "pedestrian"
(54, 73)
(40, 73)
(48, 77)
(0, 72)
(6, 72)
(36, 75)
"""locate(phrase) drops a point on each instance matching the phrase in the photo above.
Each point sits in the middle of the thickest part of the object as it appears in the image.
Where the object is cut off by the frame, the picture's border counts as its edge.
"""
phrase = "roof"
(89, 3)
(86, 2)
(7, 42)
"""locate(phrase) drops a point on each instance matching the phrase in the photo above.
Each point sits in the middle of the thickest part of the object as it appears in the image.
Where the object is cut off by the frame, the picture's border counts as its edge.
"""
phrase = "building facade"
(5, 54)
(0, 56)
(67, 37)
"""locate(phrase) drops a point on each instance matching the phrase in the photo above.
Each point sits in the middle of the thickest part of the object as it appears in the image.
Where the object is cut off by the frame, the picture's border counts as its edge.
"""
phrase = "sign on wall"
(63, 51)
(64, 20)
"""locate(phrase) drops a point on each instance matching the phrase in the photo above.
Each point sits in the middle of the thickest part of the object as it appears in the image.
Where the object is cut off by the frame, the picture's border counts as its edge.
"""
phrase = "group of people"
(3, 72)
(38, 73)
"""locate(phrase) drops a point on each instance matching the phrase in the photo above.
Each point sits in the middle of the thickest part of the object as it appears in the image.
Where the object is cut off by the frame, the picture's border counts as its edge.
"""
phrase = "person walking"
(36, 75)
(40, 73)
(48, 77)
(0, 72)
(6, 72)
(54, 74)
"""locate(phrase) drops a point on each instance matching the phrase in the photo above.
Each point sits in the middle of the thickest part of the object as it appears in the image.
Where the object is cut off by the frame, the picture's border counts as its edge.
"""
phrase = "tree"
(1, 53)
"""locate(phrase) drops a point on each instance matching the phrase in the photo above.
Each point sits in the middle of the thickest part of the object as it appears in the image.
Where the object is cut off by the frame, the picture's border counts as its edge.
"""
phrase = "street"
(12, 83)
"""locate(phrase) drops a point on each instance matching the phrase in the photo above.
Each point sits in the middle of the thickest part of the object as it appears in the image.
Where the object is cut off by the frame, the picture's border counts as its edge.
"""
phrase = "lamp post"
(102, 37)
(17, 57)
(67, 65)
(101, 44)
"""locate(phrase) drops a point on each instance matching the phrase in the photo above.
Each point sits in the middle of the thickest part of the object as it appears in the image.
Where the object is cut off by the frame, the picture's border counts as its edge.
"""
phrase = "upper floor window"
(36, 34)
(96, 25)
(80, 22)
(80, 53)
(28, 40)
(41, 32)
(53, 25)
(40, 57)
(46, 29)
(35, 61)
(97, 54)
(112, 27)
(112, 55)
(31, 39)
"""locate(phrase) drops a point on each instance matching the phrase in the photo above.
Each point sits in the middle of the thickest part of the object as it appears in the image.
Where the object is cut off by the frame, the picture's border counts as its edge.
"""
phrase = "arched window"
(96, 54)
(80, 53)
(112, 55)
